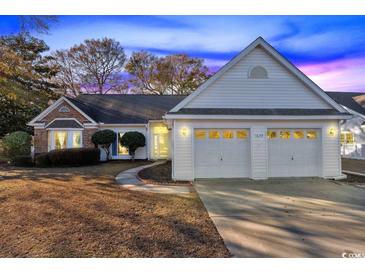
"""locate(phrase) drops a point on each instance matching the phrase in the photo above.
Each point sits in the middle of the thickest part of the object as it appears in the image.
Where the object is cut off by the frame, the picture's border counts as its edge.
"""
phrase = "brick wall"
(72, 114)
(40, 141)
(86, 137)
(41, 135)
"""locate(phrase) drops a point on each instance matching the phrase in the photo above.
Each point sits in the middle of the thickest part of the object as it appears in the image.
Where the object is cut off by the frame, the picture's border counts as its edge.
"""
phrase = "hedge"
(69, 157)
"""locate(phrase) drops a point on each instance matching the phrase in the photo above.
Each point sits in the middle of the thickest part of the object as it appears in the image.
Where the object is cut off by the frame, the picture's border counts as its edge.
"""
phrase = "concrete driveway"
(286, 217)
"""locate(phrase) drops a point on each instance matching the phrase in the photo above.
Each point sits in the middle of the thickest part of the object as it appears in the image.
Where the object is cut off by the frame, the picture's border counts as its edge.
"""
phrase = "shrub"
(42, 160)
(23, 161)
(133, 140)
(74, 156)
(104, 138)
(16, 145)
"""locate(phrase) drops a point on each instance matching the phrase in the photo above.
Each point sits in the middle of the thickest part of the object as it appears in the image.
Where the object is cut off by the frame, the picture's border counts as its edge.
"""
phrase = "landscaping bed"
(81, 212)
(160, 175)
(354, 179)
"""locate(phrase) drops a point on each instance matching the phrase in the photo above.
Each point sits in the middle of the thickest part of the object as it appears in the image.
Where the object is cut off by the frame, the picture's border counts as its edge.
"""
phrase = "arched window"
(258, 72)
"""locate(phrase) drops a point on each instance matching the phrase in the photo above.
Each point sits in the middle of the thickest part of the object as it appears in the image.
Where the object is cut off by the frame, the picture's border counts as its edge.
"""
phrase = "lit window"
(347, 138)
(160, 130)
(76, 139)
(60, 139)
(271, 134)
(121, 149)
(298, 134)
(241, 134)
(258, 72)
(285, 134)
(227, 134)
(311, 134)
(214, 134)
(200, 134)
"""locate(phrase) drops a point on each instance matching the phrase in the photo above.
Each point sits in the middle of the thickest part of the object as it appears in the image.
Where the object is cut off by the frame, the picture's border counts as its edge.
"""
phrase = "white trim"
(255, 117)
(65, 129)
(123, 125)
(39, 125)
(351, 111)
(69, 119)
(54, 106)
(260, 42)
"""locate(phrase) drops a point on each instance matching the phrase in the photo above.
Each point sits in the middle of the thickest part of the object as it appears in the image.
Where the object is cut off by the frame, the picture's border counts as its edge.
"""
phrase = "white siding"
(183, 160)
(258, 152)
(235, 90)
(331, 161)
(183, 156)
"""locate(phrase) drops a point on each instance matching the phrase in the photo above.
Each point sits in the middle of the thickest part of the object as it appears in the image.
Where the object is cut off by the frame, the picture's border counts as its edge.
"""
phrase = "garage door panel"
(294, 157)
(223, 157)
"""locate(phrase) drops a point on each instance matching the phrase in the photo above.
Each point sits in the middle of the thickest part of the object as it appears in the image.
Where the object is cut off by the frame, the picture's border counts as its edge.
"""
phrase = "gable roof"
(45, 112)
(347, 99)
(125, 108)
(278, 57)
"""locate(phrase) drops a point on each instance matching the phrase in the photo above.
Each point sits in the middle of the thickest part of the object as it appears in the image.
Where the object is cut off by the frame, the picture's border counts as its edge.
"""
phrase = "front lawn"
(80, 212)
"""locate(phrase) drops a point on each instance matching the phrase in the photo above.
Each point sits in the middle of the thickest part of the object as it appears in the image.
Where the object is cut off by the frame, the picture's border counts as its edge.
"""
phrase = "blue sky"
(329, 49)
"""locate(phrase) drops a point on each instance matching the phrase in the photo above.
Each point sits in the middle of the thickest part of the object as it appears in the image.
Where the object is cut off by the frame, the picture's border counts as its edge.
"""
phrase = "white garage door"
(294, 152)
(222, 153)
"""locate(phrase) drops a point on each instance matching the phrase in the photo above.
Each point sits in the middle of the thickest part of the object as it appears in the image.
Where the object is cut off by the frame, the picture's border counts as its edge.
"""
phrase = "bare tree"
(173, 74)
(94, 66)
(99, 64)
(67, 77)
(39, 23)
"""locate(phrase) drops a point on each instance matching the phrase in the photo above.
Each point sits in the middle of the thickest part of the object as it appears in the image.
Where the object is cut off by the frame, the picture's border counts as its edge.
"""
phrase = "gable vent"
(258, 72)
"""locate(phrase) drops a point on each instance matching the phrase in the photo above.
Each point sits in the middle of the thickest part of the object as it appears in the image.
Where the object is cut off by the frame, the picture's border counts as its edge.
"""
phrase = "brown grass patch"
(160, 174)
(80, 212)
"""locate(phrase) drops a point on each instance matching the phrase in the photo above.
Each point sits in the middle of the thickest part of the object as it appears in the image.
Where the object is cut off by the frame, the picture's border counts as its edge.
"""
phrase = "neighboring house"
(352, 130)
(257, 117)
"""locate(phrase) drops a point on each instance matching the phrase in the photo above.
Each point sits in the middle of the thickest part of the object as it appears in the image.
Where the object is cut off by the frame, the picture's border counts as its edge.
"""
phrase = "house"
(257, 117)
(352, 130)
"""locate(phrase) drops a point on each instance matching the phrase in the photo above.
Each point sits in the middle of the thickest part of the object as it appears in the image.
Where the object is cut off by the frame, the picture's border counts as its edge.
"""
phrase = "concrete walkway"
(129, 179)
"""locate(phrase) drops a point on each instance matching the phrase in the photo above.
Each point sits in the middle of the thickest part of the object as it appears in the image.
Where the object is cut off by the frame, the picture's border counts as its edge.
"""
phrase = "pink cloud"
(339, 75)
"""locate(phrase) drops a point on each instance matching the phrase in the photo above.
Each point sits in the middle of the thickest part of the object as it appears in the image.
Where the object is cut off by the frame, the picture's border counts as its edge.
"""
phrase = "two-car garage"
(226, 153)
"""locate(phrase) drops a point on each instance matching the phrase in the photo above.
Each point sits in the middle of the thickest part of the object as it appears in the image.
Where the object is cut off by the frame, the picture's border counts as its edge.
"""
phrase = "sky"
(328, 49)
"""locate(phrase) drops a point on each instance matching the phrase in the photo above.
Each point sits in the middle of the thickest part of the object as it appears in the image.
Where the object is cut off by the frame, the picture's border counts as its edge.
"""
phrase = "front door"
(160, 145)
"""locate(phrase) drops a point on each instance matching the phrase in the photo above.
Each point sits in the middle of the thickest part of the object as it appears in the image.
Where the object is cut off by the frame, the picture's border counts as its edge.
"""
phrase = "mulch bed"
(81, 212)
(354, 179)
(160, 175)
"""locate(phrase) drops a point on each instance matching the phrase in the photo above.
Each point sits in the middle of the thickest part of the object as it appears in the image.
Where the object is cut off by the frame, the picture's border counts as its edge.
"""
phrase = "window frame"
(69, 137)
(344, 141)
(119, 145)
(257, 78)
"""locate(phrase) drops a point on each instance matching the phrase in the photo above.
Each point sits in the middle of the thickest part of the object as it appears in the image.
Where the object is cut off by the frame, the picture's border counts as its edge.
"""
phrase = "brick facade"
(40, 141)
(41, 135)
(86, 137)
(57, 114)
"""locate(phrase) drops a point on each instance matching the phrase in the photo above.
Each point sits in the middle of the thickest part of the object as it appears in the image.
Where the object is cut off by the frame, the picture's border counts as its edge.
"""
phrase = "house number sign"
(259, 135)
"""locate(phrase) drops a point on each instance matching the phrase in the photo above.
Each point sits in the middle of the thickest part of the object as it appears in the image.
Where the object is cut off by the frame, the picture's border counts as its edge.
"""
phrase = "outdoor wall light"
(184, 131)
(332, 132)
